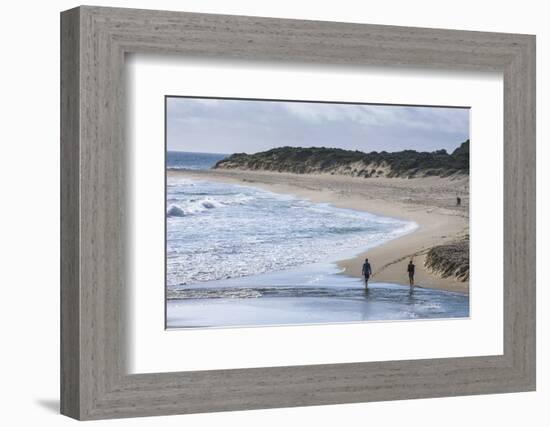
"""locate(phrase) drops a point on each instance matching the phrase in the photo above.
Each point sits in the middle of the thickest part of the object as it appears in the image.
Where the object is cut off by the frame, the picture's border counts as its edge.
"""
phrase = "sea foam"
(195, 206)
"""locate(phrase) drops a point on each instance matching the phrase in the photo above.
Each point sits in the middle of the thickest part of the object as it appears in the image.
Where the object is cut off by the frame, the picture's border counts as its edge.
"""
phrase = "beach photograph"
(286, 212)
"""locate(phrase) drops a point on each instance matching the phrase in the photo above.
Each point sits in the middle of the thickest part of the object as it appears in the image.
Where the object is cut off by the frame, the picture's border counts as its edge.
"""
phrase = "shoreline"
(426, 201)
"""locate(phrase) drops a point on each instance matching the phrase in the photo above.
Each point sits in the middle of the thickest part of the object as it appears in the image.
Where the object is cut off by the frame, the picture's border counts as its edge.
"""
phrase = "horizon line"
(314, 146)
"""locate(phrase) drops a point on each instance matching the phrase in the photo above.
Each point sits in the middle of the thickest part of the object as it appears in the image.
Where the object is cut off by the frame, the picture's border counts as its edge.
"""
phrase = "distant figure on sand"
(458, 200)
(367, 271)
(410, 270)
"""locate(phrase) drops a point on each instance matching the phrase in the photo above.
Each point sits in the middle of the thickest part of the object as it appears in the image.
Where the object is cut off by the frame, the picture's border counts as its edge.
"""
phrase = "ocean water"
(192, 161)
(221, 231)
(238, 255)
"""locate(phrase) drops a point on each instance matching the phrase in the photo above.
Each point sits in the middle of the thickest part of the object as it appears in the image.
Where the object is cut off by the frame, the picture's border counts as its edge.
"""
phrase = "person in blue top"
(367, 271)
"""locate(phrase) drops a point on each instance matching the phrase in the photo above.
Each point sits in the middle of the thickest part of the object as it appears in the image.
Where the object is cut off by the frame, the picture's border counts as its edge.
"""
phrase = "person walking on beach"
(410, 270)
(367, 271)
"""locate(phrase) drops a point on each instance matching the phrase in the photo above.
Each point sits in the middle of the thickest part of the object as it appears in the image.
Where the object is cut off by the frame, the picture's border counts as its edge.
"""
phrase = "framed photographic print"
(288, 226)
(261, 213)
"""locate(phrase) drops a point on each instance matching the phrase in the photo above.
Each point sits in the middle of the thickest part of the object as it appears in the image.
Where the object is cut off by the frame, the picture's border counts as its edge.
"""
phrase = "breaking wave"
(196, 206)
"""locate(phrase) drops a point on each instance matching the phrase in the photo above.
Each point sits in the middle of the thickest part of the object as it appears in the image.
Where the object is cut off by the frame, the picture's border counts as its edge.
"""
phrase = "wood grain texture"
(70, 292)
(94, 233)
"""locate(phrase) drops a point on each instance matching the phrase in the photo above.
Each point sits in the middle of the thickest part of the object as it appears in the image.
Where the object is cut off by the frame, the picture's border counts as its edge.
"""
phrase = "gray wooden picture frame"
(94, 41)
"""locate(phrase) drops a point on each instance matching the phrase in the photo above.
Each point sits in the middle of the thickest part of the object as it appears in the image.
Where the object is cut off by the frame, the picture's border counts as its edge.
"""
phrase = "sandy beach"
(430, 202)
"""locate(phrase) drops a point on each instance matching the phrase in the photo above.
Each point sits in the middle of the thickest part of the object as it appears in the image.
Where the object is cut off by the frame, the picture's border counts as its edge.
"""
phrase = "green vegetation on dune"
(407, 163)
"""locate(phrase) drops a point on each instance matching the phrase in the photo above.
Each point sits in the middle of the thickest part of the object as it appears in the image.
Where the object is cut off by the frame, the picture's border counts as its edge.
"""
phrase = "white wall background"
(29, 224)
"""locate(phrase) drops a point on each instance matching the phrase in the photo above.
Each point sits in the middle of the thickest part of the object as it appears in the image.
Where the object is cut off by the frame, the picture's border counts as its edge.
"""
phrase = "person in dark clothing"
(367, 271)
(410, 270)
(458, 201)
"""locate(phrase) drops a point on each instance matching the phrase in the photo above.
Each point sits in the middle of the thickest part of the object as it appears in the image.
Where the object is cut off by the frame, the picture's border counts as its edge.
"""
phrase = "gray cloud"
(228, 126)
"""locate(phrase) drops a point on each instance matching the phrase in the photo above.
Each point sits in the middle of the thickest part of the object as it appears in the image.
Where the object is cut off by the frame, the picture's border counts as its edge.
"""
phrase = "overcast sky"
(230, 126)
